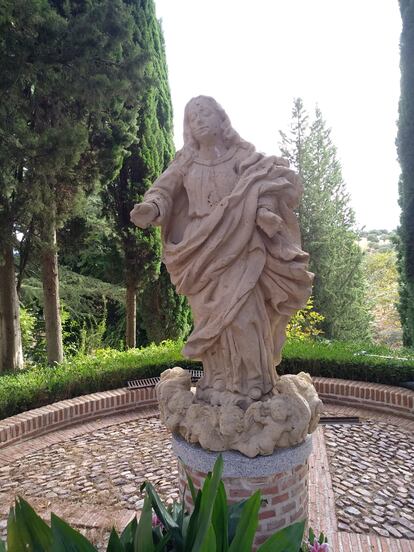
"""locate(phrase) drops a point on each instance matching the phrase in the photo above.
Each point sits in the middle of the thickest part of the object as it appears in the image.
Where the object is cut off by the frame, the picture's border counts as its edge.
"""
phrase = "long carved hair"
(187, 153)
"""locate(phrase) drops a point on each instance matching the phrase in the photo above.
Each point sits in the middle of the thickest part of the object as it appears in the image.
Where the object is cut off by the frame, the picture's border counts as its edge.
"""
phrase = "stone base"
(282, 479)
(280, 419)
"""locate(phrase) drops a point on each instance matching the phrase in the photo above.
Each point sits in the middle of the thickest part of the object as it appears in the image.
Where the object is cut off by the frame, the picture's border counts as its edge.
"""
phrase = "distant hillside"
(377, 240)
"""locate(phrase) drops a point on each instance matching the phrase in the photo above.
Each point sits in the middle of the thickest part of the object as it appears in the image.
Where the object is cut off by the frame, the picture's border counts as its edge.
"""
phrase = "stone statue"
(231, 245)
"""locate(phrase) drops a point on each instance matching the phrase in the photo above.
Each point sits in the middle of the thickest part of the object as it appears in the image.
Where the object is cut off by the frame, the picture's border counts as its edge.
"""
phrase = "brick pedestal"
(281, 478)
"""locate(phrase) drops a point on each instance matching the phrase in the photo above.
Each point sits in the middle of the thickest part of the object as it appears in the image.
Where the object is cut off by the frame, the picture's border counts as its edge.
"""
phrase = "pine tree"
(328, 228)
(149, 157)
(405, 144)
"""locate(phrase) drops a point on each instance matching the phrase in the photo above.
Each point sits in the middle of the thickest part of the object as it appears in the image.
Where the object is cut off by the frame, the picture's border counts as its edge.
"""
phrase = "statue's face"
(205, 122)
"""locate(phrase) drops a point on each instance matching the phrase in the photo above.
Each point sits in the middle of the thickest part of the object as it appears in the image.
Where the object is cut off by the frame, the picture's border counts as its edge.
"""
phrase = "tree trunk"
(11, 352)
(131, 314)
(51, 302)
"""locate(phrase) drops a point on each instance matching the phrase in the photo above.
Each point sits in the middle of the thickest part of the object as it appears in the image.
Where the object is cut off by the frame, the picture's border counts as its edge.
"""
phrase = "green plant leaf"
(288, 539)
(128, 534)
(190, 526)
(209, 543)
(192, 488)
(165, 517)
(246, 528)
(221, 519)
(67, 539)
(2, 546)
(234, 515)
(161, 545)
(40, 533)
(208, 498)
(18, 535)
(143, 541)
(311, 535)
(114, 543)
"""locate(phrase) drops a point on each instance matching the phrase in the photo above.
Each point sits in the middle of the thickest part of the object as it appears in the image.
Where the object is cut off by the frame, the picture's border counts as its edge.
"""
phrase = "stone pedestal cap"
(238, 465)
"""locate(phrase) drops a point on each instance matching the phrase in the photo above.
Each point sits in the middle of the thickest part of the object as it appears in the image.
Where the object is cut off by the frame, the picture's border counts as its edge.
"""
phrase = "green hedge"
(109, 369)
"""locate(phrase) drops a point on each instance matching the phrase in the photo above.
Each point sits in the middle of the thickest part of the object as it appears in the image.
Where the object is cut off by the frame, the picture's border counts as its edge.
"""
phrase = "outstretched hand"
(143, 214)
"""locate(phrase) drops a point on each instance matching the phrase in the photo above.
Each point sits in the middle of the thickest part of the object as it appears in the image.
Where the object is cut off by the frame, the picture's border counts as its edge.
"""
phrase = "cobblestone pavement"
(372, 471)
(96, 474)
(104, 468)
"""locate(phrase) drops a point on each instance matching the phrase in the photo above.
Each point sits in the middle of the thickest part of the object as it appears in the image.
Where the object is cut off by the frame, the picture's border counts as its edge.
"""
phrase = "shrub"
(305, 324)
(109, 369)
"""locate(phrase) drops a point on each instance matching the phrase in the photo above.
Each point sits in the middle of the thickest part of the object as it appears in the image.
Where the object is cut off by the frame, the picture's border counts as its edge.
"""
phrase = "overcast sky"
(255, 57)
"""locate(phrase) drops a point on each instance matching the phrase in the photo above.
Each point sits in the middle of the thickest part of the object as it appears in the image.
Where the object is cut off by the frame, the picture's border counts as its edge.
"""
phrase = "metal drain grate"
(339, 420)
(152, 382)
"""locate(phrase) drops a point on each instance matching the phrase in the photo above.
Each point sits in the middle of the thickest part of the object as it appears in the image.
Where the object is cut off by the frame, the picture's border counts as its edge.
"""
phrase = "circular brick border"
(33, 423)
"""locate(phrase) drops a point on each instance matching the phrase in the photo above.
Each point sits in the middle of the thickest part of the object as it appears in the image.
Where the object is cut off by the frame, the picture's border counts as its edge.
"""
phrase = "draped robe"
(242, 285)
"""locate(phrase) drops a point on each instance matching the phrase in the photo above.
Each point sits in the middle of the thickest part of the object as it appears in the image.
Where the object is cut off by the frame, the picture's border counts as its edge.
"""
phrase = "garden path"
(361, 487)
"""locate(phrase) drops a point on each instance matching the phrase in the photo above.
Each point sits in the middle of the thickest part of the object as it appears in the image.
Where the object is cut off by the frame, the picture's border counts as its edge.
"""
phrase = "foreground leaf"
(67, 539)
(246, 528)
(234, 515)
(161, 545)
(164, 516)
(19, 536)
(39, 531)
(128, 535)
(208, 497)
(143, 541)
(288, 539)
(220, 519)
(114, 543)
(2, 546)
(190, 525)
(209, 543)
(192, 488)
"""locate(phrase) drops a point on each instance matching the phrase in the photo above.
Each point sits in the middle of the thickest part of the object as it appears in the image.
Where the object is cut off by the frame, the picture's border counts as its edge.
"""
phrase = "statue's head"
(205, 119)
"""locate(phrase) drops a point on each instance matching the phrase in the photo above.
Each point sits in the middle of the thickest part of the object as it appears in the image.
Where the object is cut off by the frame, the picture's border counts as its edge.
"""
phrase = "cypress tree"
(328, 228)
(84, 109)
(21, 23)
(405, 146)
(149, 157)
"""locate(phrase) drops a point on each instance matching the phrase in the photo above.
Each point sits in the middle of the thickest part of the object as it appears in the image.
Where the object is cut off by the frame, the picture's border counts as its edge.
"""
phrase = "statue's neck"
(212, 151)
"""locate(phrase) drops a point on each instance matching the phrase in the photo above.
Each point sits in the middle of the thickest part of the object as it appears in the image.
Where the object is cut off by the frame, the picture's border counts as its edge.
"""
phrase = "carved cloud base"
(282, 420)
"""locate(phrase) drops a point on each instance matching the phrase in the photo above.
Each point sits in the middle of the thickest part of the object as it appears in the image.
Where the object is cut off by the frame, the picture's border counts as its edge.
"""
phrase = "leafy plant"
(306, 323)
(315, 544)
(213, 526)
(27, 325)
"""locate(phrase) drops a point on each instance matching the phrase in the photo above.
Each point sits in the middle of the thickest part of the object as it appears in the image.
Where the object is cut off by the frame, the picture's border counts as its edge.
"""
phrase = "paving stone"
(392, 531)
(372, 471)
(353, 511)
(381, 531)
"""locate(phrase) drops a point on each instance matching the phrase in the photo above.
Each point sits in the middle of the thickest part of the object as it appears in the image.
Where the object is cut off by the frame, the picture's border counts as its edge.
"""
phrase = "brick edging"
(383, 398)
(39, 421)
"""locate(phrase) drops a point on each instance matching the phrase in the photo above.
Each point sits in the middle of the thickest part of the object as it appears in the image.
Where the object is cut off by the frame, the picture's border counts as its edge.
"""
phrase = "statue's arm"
(158, 200)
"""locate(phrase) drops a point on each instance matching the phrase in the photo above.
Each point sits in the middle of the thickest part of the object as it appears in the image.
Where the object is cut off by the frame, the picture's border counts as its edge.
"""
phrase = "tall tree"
(382, 278)
(141, 249)
(328, 227)
(405, 145)
(79, 86)
(21, 23)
